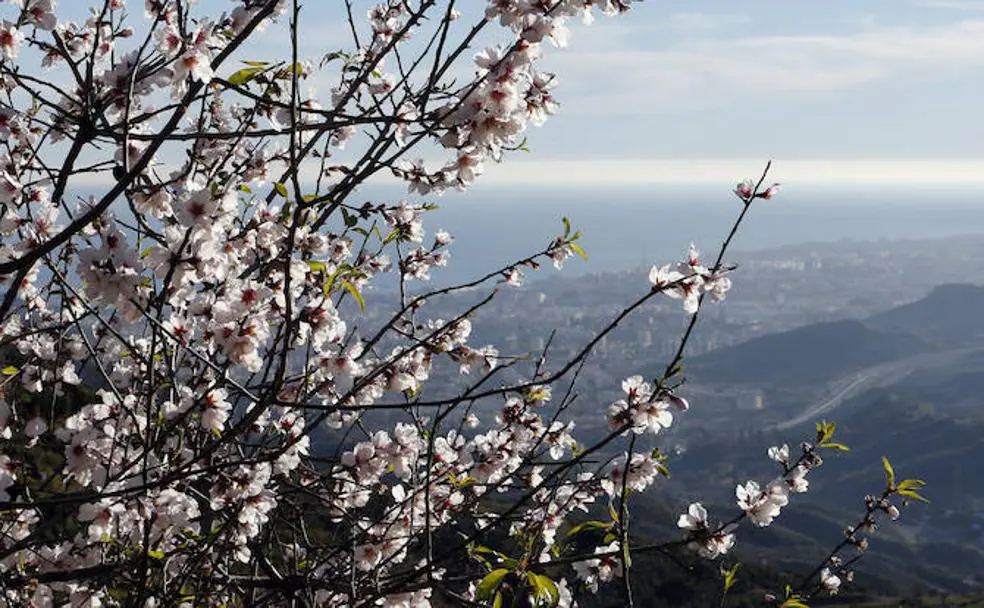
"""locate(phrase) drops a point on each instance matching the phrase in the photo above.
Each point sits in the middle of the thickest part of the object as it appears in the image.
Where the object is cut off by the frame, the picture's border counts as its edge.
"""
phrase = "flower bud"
(745, 190)
(769, 192)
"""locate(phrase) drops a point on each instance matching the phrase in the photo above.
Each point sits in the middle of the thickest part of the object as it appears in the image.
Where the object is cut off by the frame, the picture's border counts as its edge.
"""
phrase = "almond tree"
(193, 406)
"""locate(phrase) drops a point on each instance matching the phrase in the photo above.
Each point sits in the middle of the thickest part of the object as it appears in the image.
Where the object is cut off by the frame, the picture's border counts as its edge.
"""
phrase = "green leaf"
(245, 188)
(317, 266)
(156, 554)
(567, 226)
(244, 75)
(9, 370)
(889, 471)
(578, 250)
(464, 482)
(355, 294)
(497, 602)
(333, 277)
(490, 583)
(835, 446)
(544, 588)
(536, 394)
(585, 525)
(256, 63)
(332, 57)
(825, 431)
(909, 487)
(280, 188)
(478, 552)
(730, 576)
(908, 484)
(914, 495)
(295, 68)
(612, 512)
(390, 236)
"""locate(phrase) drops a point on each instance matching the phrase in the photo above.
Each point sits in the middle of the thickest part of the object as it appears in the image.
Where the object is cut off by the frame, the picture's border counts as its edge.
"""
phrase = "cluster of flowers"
(642, 409)
(760, 505)
(688, 281)
(489, 115)
(190, 310)
(835, 570)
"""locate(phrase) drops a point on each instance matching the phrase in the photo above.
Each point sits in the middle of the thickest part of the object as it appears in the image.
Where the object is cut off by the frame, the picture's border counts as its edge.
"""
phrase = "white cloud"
(714, 71)
(704, 22)
(961, 5)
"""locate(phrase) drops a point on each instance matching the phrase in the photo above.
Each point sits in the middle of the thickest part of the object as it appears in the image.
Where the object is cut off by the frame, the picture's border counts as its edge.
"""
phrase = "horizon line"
(527, 171)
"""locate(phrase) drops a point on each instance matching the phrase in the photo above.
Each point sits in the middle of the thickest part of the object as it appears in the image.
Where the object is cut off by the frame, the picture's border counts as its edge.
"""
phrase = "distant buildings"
(750, 400)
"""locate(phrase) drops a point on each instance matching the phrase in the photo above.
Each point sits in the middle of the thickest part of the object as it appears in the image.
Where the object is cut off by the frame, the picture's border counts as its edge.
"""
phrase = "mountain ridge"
(948, 317)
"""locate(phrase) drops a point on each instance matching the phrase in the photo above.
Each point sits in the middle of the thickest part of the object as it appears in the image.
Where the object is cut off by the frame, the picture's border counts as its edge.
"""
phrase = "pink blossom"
(10, 40)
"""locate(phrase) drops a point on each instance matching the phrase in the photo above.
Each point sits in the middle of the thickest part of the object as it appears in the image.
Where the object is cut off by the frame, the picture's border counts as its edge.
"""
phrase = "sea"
(630, 227)
(626, 227)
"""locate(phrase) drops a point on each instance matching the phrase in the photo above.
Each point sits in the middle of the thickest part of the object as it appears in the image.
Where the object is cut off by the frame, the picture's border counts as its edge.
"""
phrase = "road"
(880, 375)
